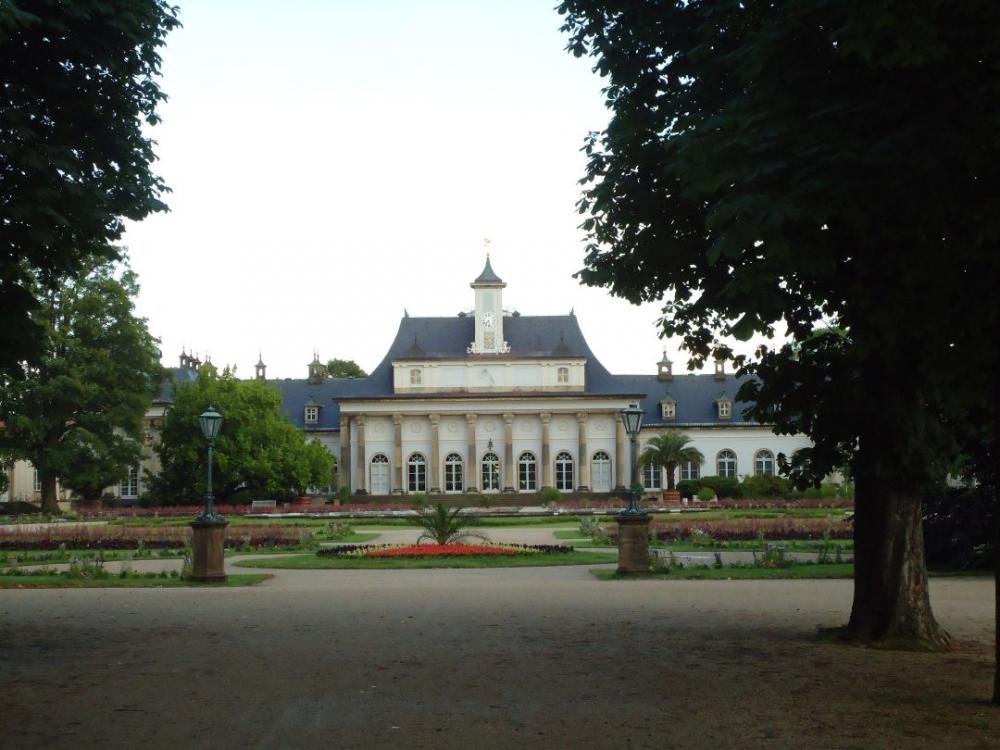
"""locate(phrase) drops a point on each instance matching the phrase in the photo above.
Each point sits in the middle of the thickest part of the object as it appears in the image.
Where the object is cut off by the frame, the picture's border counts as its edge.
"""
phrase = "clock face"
(488, 319)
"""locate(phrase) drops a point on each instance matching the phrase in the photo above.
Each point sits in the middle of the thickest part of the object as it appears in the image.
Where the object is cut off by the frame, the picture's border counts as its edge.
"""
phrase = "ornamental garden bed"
(388, 556)
(98, 537)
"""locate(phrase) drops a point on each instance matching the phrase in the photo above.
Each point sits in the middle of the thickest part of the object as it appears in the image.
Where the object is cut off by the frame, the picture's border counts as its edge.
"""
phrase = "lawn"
(55, 580)
(832, 570)
(573, 536)
(313, 562)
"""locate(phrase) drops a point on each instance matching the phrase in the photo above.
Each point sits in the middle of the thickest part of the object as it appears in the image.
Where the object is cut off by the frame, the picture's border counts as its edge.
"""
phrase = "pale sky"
(335, 162)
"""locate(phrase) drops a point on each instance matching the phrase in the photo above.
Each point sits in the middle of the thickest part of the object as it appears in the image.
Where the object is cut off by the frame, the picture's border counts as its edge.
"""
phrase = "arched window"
(416, 376)
(562, 375)
(600, 472)
(380, 474)
(491, 472)
(690, 470)
(763, 464)
(652, 477)
(453, 479)
(527, 472)
(726, 463)
(564, 472)
(416, 473)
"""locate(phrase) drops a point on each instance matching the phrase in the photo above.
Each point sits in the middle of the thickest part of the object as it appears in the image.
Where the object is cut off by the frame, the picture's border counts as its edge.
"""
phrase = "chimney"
(720, 369)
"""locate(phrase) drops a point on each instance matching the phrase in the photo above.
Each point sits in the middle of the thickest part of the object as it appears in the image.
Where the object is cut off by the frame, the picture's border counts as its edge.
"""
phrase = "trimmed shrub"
(724, 487)
(706, 494)
(688, 488)
(551, 495)
(764, 486)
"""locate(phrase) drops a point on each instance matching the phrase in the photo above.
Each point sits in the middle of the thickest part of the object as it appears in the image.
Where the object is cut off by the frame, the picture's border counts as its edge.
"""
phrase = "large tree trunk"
(996, 583)
(891, 601)
(50, 497)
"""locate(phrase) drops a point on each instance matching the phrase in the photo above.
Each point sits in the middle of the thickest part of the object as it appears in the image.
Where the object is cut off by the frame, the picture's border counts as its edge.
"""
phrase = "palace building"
(492, 401)
(498, 402)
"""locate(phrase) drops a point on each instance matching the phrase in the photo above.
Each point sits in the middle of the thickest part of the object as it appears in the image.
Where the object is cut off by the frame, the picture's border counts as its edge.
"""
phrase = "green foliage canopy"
(77, 415)
(258, 449)
(345, 368)
(79, 82)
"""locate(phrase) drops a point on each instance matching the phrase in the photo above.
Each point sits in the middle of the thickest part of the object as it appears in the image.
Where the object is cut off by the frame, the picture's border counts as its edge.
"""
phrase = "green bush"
(344, 493)
(706, 494)
(551, 495)
(688, 488)
(766, 486)
(724, 487)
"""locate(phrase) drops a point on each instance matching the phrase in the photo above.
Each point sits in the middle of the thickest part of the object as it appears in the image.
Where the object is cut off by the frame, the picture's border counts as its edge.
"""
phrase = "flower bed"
(746, 529)
(441, 550)
(127, 537)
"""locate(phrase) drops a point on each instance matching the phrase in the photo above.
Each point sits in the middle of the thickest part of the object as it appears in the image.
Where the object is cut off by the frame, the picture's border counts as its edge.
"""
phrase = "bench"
(263, 506)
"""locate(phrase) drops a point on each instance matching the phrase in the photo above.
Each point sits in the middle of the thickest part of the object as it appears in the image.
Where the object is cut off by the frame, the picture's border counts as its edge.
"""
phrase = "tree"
(668, 450)
(257, 451)
(78, 84)
(345, 368)
(77, 415)
(814, 164)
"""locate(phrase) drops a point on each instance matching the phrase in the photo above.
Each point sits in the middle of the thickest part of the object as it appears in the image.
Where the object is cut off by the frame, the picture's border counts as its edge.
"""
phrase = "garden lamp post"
(632, 418)
(211, 422)
(208, 543)
(633, 522)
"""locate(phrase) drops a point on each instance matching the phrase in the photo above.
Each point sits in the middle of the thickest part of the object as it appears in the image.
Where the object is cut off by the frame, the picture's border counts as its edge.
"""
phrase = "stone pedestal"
(633, 542)
(208, 561)
(672, 498)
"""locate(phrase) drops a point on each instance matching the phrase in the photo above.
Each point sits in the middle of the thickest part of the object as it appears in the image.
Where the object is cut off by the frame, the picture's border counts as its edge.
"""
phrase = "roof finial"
(486, 244)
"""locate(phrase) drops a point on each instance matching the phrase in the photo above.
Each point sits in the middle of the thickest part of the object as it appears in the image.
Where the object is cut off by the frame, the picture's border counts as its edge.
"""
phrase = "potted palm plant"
(668, 450)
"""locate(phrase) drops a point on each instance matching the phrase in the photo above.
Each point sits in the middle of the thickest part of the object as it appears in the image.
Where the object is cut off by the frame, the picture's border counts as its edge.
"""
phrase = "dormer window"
(416, 376)
(312, 414)
(562, 375)
(725, 409)
(668, 409)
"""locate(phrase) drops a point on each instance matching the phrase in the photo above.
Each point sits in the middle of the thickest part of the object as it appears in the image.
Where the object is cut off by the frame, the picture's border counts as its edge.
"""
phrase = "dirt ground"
(546, 657)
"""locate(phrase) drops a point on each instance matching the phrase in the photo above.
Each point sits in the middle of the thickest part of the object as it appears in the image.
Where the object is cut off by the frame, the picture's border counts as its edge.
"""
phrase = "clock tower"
(489, 313)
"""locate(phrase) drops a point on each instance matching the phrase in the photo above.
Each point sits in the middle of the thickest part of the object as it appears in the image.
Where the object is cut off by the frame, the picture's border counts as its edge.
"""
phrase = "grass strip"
(115, 582)
(313, 562)
(832, 570)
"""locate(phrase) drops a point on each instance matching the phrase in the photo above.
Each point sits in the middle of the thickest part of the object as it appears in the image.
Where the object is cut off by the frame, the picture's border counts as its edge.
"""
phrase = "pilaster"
(546, 417)
(582, 453)
(435, 484)
(619, 453)
(344, 465)
(397, 454)
(508, 453)
(472, 460)
(362, 458)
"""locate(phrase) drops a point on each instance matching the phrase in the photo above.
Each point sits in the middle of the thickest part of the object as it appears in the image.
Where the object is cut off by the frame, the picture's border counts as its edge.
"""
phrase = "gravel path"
(543, 657)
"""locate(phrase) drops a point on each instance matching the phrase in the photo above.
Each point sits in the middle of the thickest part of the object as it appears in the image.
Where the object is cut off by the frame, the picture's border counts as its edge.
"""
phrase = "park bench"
(263, 506)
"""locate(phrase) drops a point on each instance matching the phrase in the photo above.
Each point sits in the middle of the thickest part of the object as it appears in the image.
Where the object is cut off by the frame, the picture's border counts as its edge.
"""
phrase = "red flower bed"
(443, 550)
(747, 529)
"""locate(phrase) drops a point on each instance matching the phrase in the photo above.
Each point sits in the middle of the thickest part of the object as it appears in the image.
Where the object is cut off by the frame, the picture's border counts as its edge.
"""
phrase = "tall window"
(491, 473)
(763, 464)
(312, 414)
(37, 482)
(690, 470)
(453, 481)
(416, 473)
(564, 472)
(415, 376)
(129, 487)
(726, 463)
(380, 474)
(652, 477)
(562, 375)
(527, 472)
(600, 472)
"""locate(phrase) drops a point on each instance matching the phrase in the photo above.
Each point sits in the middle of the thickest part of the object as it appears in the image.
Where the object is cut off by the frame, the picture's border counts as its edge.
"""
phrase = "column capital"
(360, 418)
(397, 419)
(345, 422)
(582, 416)
(545, 417)
(435, 419)
(471, 418)
(508, 417)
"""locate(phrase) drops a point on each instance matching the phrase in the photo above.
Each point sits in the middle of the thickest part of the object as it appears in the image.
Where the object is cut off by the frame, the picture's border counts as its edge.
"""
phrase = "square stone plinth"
(633, 542)
(208, 559)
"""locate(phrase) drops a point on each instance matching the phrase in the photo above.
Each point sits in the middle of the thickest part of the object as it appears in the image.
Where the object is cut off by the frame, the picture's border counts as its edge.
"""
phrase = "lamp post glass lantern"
(210, 422)
(632, 418)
